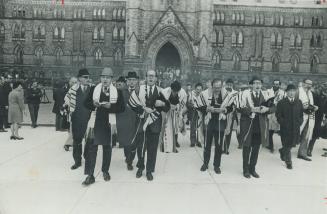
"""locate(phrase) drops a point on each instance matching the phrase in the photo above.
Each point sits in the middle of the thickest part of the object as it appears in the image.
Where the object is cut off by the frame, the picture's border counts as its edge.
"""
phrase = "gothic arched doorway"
(168, 64)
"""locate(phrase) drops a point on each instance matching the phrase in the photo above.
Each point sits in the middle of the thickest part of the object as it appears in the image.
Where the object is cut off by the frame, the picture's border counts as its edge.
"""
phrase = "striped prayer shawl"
(137, 99)
(70, 98)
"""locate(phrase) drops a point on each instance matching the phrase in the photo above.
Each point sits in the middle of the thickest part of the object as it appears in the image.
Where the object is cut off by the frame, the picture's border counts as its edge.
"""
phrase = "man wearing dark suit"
(254, 126)
(154, 104)
(2, 105)
(289, 115)
(33, 99)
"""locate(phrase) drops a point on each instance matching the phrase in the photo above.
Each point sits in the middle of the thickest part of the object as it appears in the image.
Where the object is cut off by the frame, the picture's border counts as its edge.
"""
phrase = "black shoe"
(324, 149)
(139, 173)
(255, 174)
(289, 166)
(106, 176)
(66, 147)
(324, 155)
(246, 174)
(149, 176)
(192, 145)
(3, 130)
(129, 167)
(199, 145)
(177, 145)
(88, 180)
(303, 158)
(19, 138)
(281, 155)
(175, 151)
(12, 138)
(227, 152)
(204, 167)
(309, 153)
(75, 166)
(217, 170)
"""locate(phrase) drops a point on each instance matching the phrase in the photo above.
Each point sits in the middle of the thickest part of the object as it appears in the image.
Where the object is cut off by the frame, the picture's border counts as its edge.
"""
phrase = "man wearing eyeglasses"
(79, 114)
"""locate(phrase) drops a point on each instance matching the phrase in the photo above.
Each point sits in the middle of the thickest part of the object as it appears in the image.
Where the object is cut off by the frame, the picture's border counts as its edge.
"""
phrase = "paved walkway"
(36, 178)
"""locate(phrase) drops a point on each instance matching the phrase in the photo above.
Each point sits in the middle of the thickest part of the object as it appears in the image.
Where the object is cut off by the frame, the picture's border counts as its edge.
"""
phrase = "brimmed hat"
(290, 87)
(83, 72)
(229, 81)
(132, 74)
(107, 72)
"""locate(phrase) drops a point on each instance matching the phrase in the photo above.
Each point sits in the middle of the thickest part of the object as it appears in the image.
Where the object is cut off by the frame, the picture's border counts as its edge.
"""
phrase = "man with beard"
(196, 116)
(148, 103)
(127, 120)
(289, 115)
(107, 101)
(254, 128)
(306, 96)
(215, 121)
(320, 99)
(79, 114)
(279, 94)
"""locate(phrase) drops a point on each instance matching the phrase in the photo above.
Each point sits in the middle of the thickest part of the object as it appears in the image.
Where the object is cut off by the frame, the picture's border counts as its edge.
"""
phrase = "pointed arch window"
(103, 13)
(298, 41)
(313, 40)
(16, 31)
(98, 56)
(38, 55)
(56, 33)
(115, 33)
(122, 34)
(242, 18)
(123, 13)
(59, 53)
(19, 55)
(294, 64)
(236, 62)
(216, 60)
(279, 40)
(234, 39)
(273, 40)
(114, 13)
(319, 40)
(62, 33)
(102, 33)
(234, 18)
(275, 64)
(95, 33)
(118, 57)
(240, 39)
(292, 40)
(94, 13)
(314, 62)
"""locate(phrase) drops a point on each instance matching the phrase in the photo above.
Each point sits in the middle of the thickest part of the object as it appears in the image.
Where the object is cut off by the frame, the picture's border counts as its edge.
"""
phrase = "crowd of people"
(143, 118)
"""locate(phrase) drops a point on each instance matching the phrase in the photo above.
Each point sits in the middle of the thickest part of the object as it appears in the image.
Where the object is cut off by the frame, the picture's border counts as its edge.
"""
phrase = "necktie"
(83, 88)
(151, 91)
(256, 95)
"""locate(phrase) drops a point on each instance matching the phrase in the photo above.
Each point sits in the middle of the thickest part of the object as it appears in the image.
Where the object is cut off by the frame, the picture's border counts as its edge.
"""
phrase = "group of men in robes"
(148, 117)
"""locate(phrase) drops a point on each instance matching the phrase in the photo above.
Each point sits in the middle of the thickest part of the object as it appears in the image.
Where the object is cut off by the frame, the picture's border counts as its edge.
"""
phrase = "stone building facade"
(183, 39)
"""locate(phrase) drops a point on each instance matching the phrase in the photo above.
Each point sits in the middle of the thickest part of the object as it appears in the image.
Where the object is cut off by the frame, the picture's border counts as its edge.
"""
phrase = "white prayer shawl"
(70, 99)
(206, 98)
(279, 95)
(113, 94)
(138, 99)
(308, 120)
(248, 101)
(230, 99)
(195, 99)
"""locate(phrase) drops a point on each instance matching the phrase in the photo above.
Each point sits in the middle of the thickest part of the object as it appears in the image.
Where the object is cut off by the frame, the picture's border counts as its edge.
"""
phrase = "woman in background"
(16, 109)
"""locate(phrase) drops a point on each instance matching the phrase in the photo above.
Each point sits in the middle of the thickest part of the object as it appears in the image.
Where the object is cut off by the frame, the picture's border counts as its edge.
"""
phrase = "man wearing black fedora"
(289, 115)
(79, 114)
(127, 120)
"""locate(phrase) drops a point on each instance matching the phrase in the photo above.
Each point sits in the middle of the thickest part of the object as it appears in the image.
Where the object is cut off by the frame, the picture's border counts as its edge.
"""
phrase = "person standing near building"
(33, 99)
(16, 109)
(7, 87)
(108, 101)
(289, 114)
(254, 125)
(196, 116)
(173, 119)
(148, 103)
(278, 95)
(306, 96)
(79, 114)
(215, 121)
(127, 120)
(231, 116)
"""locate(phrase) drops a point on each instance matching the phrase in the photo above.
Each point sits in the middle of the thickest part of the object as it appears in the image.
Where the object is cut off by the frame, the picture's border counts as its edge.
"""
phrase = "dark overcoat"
(126, 122)
(290, 117)
(321, 102)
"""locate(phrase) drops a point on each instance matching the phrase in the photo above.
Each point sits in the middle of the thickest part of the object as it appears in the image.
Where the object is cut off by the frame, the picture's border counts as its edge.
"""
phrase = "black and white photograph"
(163, 106)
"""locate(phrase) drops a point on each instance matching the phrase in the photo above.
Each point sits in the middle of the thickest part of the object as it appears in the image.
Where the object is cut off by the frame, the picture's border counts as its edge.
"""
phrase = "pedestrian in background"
(33, 99)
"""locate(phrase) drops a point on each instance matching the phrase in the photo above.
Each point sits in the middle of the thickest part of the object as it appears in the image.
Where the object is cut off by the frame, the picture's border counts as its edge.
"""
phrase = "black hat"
(83, 72)
(121, 79)
(229, 81)
(132, 74)
(255, 78)
(290, 87)
(175, 86)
